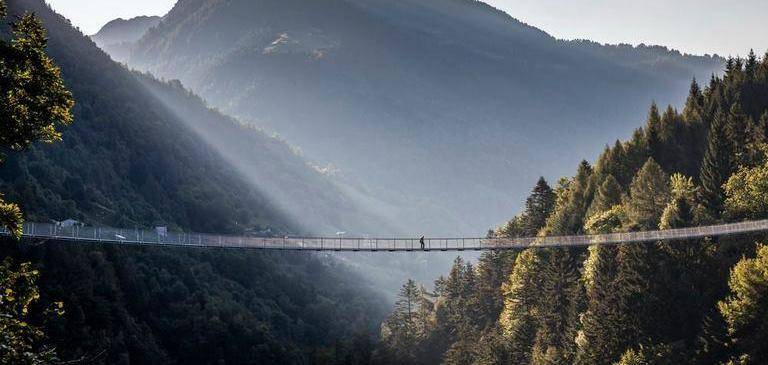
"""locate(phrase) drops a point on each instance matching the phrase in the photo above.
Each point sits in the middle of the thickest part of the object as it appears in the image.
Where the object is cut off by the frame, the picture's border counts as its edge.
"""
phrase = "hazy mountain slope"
(129, 159)
(465, 103)
(158, 156)
(125, 30)
(118, 36)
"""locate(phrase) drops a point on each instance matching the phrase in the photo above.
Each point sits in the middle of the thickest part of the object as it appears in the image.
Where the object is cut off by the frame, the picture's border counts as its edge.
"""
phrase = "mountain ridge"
(375, 86)
(118, 36)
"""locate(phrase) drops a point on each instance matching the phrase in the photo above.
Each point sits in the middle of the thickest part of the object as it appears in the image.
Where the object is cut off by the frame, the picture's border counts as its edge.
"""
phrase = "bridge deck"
(124, 236)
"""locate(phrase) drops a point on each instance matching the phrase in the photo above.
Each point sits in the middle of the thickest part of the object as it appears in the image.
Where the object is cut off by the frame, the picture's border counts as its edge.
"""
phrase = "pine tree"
(636, 154)
(538, 207)
(608, 194)
(559, 273)
(635, 299)
(649, 194)
(679, 212)
(571, 208)
(400, 329)
(750, 67)
(654, 133)
(736, 130)
(456, 312)
(715, 168)
(597, 338)
(494, 349)
(694, 104)
(493, 269)
(616, 165)
(561, 295)
(518, 320)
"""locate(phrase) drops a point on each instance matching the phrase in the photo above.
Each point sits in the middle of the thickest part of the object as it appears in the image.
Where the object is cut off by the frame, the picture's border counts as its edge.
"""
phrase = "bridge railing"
(152, 237)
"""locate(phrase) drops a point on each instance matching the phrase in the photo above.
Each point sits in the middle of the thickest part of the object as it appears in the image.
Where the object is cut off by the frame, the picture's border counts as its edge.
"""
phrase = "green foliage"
(518, 320)
(609, 221)
(572, 203)
(680, 210)
(653, 303)
(161, 306)
(653, 133)
(747, 192)
(715, 168)
(33, 98)
(648, 196)
(34, 101)
(538, 207)
(647, 355)
(746, 309)
(608, 195)
(11, 218)
(493, 269)
(402, 330)
(22, 340)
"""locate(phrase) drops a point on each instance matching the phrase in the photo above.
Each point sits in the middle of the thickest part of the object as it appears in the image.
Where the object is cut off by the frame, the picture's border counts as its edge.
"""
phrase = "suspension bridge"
(144, 237)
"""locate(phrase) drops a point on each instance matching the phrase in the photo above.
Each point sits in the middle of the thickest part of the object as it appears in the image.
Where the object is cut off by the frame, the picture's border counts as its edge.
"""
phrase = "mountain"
(166, 153)
(445, 109)
(118, 36)
(131, 158)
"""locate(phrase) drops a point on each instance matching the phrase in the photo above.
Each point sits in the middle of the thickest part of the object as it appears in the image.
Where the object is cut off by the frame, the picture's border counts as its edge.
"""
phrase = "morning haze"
(699, 27)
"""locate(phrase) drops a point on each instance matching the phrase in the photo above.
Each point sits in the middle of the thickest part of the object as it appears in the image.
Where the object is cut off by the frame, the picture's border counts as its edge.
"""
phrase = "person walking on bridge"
(421, 241)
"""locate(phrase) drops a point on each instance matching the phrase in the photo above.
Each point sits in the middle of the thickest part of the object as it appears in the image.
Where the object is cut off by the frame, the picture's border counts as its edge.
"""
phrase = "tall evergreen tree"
(654, 133)
(456, 311)
(556, 318)
(636, 154)
(635, 299)
(715, 168)
(538, 207)
(750, 66)
(648, 196)
(694, 104)
(614, 162)
(737, 131)
(557, 315)
(401, 330)
(518, 320)
(571, 208)
(597, 340)
(679, 212)
(608, 194)
(493, 269)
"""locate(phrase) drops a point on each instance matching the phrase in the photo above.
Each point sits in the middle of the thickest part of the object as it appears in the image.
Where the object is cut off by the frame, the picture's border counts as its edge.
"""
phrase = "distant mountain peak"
(127, 29)
(119, 35)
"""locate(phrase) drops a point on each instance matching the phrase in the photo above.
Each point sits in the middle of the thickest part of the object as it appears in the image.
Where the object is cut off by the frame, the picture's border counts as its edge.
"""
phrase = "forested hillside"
(129, 159)
(463, 101)
(694, 302)
(160, 157)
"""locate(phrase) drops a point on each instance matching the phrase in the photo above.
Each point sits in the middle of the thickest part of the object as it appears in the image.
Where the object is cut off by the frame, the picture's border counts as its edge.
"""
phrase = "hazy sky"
(694, 26)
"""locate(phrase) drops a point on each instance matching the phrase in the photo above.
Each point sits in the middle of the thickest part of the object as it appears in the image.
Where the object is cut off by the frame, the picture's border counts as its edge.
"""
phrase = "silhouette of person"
(421, 241)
